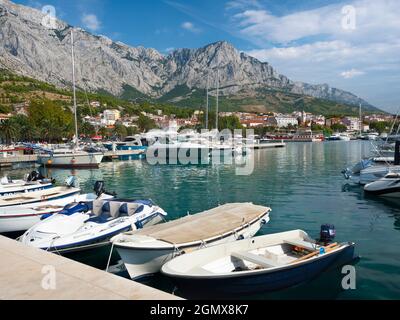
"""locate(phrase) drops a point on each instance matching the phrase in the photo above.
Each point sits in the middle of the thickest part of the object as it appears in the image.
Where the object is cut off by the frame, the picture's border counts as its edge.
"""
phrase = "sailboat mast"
(74, 88)
(208, 102)
(361, 122)
(217, 111)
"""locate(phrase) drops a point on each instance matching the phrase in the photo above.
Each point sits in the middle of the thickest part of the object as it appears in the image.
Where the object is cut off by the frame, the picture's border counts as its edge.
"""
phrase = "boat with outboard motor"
(38, 196)
(259, 264)
(32, 182)
(389, 186)
(21, 218)
(145, 251)
(89, 225)
(366, 171)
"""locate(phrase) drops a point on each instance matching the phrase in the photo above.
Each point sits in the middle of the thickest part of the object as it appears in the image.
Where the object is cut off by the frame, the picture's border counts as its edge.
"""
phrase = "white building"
(283, 121)
(110, 117)
(352, 123)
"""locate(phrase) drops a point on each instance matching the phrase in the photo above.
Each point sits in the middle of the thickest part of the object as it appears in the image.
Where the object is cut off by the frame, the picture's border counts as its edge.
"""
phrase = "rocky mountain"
(37, 46)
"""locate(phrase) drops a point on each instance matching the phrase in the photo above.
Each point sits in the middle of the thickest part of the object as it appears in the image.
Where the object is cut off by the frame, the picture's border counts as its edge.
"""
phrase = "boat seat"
(129, 208)
(302, 244)
(114, 209)
(256, 259)
(97, 209)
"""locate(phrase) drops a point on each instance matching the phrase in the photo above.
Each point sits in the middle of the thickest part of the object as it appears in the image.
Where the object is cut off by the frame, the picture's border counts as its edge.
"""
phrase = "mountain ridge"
(31, 49)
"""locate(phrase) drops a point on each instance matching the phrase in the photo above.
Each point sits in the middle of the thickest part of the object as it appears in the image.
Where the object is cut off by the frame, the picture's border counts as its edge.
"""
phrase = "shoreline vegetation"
(42, 112)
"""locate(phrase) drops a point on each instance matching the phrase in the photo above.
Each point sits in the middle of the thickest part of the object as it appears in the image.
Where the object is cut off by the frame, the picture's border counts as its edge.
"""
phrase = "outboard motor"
(99, 188)
(327, 234)
(71, 182)
(33, 176)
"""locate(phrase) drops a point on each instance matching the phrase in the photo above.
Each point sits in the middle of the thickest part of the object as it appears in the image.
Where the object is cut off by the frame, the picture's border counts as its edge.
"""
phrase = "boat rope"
(203, 245)
(177, 252)
(109, 257)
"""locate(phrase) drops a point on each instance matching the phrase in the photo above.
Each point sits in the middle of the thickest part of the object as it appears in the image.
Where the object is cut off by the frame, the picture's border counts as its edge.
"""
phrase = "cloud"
(91, 22)
(241, 4)
(372, 20)
(189, 26)
(352, 73)
(318, 46)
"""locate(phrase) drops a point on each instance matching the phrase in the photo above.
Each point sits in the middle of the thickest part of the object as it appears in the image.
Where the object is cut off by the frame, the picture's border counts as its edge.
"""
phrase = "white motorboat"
(85, 226)
(70, 158)
(365, 172)
(339, 137)
(21, 218)
(389, 186)
(32, 182)
(257, 264)
(145, 251)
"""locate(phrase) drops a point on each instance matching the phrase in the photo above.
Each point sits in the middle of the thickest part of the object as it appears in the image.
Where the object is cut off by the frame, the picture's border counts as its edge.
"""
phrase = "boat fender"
(263, 222)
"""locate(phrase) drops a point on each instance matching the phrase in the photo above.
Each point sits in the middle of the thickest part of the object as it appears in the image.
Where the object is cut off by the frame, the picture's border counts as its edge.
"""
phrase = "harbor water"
(303, 185)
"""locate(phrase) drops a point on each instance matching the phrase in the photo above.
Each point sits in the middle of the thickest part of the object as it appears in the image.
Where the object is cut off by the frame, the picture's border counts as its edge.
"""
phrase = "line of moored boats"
(214, 250)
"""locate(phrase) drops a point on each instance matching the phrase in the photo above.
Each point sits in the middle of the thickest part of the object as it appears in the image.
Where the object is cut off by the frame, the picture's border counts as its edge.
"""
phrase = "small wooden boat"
(32, 182)
(261, 264)
(145, 251)
(37, 196)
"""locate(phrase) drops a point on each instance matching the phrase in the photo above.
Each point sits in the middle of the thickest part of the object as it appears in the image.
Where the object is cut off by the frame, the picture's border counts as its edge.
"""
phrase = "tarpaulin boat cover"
(207, 224)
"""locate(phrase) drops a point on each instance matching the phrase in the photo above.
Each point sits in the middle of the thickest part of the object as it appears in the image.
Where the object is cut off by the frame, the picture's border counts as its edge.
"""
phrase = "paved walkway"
(27, 274)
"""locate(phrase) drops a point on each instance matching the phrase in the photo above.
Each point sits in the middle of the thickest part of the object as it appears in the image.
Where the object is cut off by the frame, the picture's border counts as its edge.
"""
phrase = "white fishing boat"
(145, 251)
(254, 265)
(21, 218)
(389, 186)
(86, 226)
(32, 182)
(70, 158)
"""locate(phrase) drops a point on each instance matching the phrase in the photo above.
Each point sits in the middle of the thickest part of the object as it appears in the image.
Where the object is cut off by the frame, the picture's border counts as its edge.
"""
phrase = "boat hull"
(141, 262)
(262, 282)
(22, 218)
(90, 160)
(23, 189)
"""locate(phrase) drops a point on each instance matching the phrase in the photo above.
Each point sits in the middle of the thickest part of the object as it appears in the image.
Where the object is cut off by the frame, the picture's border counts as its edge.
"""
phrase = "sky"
(353, 45)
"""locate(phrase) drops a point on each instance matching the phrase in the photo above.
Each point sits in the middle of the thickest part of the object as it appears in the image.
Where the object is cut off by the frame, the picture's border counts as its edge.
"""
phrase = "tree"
(379, 127)
(120, 131)
(87, 129)
(8, 131)
(145, 123)
(52, 121)
(230, 123)
(338, 127)
(26, 131)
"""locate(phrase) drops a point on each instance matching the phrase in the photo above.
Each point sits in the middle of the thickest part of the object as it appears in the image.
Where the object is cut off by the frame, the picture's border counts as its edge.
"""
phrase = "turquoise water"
(304, 187)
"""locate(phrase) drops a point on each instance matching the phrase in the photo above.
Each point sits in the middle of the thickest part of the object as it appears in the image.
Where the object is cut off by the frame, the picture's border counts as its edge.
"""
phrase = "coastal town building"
(352, 123)
(283, 121)
(110, 117)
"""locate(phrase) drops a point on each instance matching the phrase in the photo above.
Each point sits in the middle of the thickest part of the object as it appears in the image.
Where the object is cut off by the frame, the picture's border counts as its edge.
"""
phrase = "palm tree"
(7, 131)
